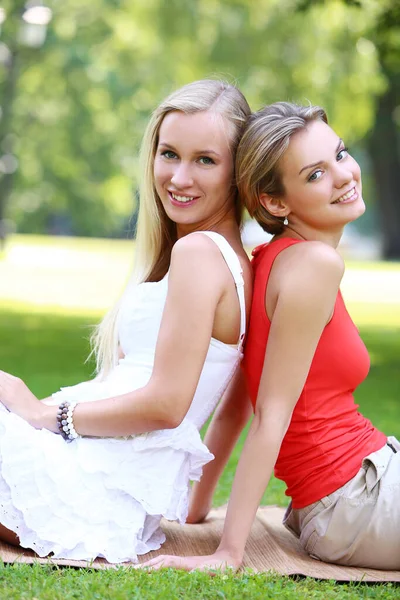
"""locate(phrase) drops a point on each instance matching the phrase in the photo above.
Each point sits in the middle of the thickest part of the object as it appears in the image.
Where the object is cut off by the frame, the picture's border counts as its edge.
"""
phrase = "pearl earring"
(286, 221)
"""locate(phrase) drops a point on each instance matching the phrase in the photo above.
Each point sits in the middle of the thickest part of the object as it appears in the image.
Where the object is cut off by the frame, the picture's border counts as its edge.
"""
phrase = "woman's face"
(322, 181)
(193, 169)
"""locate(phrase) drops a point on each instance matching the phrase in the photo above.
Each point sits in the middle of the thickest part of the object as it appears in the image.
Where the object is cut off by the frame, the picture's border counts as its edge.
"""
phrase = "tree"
(383, 36)
(80, 110)
(384, 139)
(9, 58)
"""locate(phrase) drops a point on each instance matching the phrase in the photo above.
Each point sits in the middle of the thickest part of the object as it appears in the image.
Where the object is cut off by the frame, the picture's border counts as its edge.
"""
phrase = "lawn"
(45, 342)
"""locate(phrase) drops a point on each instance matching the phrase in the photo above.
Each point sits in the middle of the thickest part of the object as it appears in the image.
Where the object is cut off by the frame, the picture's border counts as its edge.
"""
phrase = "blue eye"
(168, 154)
(206, 160)
(316, 175)
(342, 154)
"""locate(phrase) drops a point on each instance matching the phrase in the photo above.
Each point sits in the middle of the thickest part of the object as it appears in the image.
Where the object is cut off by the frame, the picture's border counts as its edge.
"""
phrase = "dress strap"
(235, 268)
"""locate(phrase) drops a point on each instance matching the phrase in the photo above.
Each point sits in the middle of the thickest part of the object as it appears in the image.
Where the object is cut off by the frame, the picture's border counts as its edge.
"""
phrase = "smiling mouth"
(181, 199)
(346, 196)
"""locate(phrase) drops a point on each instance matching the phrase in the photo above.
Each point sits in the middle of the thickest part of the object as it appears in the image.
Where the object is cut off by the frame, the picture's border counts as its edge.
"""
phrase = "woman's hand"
(18, 399)
(231, 415)
(199, 505)
(198, 514)
(220, 561)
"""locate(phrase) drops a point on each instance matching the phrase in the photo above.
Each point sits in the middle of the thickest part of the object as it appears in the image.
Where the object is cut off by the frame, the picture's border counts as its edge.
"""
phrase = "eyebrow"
(198, 152)
(320, 161)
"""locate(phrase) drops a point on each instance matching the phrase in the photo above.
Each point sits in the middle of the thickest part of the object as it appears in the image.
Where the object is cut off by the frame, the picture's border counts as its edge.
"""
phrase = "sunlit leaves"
(84, 98)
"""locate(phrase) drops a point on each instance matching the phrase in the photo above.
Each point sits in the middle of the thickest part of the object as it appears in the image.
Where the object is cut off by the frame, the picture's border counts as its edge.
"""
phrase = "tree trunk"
(385, 153)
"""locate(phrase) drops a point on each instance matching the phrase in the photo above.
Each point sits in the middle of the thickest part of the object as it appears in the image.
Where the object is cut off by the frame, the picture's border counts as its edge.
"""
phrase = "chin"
(359, 210)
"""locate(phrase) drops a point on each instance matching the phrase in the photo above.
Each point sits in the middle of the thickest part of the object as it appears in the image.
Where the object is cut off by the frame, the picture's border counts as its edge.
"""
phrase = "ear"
(274, 205)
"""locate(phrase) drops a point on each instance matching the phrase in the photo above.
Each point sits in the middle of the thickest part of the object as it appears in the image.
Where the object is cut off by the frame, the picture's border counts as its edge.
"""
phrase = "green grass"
(47, 583)
(47, 345)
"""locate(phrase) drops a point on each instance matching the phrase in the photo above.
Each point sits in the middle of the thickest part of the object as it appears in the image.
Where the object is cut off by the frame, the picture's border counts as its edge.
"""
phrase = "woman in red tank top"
(304, 357)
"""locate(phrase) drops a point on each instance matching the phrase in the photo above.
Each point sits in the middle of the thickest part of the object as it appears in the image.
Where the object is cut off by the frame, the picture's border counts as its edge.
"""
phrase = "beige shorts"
(359, 524)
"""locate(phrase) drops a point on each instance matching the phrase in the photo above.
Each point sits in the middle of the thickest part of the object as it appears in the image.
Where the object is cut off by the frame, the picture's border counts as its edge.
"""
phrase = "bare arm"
(197, 281)
(305, 304)
(230, 417)
(308, 285)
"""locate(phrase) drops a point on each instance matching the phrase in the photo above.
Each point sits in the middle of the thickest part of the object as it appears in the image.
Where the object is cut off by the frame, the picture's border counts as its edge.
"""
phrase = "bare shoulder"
(193, 243)
(320, 254)
(305, 275)
(312, 259)
(197, 256)
(194, 249)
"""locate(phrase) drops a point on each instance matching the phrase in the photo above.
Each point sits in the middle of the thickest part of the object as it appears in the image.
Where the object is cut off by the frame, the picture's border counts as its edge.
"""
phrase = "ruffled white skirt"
(94, 496)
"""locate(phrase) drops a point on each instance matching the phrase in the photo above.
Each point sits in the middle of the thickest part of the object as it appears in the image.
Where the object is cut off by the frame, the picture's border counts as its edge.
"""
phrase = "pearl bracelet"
(65, 421)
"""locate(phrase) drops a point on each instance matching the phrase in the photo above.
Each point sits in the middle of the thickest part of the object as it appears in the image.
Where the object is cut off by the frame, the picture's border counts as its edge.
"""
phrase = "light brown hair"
(264, 141)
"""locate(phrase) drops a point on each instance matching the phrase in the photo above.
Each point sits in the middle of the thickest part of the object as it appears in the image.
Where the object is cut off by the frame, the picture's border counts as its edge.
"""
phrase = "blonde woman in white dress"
(91, 471)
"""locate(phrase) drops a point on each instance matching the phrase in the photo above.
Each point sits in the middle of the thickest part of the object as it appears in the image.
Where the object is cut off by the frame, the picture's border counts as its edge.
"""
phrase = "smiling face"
(193, 169)
(322, 182)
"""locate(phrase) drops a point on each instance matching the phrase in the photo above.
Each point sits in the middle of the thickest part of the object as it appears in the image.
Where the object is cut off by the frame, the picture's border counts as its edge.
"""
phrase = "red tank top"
(327, 438)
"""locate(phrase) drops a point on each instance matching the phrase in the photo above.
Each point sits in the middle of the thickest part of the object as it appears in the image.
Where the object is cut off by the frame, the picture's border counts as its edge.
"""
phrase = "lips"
(181, 200)
(349, 196)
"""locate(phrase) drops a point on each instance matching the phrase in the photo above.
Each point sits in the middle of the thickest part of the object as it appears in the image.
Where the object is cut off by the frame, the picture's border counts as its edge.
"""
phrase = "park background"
(78, 80)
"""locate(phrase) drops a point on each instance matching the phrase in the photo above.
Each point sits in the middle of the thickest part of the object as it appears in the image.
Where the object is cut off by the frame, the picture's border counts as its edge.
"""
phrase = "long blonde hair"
(263, 143)
(156, 233)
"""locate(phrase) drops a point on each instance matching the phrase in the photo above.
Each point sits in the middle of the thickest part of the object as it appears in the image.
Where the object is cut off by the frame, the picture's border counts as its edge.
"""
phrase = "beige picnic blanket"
(270, 548)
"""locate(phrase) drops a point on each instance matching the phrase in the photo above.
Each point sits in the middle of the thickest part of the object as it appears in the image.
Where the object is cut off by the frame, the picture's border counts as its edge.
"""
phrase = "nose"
(343, 175)
(182, 176)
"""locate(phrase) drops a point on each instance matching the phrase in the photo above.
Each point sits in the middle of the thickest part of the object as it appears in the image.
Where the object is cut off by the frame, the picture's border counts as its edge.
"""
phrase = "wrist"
(45, 418)
(197, 515)
(235, 554)
(198, 509)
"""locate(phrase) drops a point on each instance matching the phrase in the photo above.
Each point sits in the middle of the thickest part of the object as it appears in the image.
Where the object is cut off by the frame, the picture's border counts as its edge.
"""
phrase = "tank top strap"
(235, 268)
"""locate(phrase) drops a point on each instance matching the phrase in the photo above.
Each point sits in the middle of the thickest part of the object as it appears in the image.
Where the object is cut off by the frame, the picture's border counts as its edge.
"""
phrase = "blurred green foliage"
(82, 100)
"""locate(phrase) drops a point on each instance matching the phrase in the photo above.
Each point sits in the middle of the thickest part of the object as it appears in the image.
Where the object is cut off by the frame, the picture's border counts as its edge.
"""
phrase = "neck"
(225, 224)
(332, 238)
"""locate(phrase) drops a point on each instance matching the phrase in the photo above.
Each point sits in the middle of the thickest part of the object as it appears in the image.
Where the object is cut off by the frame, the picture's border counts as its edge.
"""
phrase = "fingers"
(6, 379)
(7, 375)
(152, 562)
(8, 382)
(164, 562)
(209, 564)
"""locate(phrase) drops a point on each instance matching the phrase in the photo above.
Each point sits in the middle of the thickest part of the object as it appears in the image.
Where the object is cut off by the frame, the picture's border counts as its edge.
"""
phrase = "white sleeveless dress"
(106, 496)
